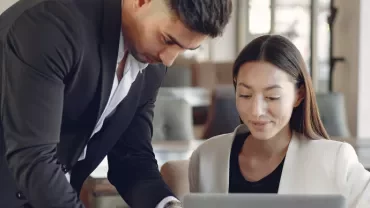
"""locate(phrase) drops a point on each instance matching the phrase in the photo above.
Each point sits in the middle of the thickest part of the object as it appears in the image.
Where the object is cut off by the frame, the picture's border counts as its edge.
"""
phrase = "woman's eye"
(273, 98)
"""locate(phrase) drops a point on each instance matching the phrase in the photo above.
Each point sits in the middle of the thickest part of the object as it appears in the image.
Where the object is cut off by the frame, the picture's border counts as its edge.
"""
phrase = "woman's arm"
(353, 179)
(194, 172)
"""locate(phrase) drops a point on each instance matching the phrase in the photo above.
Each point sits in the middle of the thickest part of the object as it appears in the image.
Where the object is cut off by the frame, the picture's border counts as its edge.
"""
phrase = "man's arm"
(133, 169)
(38, 53)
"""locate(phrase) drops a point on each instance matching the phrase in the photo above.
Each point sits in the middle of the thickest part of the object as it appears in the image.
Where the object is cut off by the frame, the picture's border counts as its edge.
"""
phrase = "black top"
(237, 182)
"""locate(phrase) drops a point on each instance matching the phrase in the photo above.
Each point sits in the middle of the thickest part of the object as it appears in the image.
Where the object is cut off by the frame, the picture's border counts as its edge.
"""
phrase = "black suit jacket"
(58, 60)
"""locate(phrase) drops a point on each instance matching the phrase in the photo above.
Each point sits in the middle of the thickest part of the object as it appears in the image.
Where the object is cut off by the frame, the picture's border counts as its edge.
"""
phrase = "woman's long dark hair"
(282, 53)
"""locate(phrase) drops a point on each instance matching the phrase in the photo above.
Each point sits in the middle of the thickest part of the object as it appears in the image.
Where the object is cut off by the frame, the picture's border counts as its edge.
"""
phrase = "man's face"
(154, 34)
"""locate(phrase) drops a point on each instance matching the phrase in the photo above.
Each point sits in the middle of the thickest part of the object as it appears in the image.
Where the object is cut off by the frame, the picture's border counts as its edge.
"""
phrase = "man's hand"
(173, 204)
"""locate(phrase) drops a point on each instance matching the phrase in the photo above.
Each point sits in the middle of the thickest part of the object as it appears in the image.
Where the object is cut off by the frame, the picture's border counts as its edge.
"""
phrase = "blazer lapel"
(222, 162)
(111, 30)
(291, 168)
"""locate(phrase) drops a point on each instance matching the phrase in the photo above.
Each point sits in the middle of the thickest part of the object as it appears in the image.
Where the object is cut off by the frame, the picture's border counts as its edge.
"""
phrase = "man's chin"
(139, 58)
(143, 59)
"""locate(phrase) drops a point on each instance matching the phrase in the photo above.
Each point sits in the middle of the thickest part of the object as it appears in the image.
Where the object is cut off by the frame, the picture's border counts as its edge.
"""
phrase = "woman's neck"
(266, 149)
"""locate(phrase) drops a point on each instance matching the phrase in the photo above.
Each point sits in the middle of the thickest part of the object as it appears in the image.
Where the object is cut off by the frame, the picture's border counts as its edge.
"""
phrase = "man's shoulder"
(41, 15)
(20, 7)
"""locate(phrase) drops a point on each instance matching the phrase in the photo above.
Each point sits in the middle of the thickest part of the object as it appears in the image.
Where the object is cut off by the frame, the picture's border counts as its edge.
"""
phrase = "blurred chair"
(100, 193)
(210, 74)
(224, 73)
(333, 114)
(172, 119)
(177, 76)
(222, 114)
(175, 175)
(204, 75)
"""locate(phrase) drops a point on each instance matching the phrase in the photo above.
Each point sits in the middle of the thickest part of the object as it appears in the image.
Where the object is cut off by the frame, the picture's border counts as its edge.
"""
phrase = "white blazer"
(310, 167)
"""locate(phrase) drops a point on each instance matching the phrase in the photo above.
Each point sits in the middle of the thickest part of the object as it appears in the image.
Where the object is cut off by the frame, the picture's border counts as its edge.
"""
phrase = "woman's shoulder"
(220, 145)
(322, 144)
(215, 142)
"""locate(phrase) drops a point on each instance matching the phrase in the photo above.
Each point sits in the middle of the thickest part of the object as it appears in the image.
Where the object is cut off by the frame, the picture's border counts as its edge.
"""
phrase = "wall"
(351, 77)
(223, 49)
(363, 120)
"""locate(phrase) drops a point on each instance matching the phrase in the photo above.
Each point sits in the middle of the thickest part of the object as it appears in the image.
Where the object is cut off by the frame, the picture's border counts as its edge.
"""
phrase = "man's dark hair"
(207, 17)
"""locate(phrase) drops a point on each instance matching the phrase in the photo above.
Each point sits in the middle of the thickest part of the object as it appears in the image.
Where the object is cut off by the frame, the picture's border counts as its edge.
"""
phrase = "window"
(323, 42)
(259, 16)
(293, 21)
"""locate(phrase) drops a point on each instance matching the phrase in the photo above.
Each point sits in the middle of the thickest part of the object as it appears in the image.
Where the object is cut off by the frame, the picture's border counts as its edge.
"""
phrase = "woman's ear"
(300, 95)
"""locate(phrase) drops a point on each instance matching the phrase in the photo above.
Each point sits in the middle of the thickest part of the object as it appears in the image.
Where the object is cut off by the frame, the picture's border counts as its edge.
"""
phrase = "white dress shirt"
(120, 88)
(119, 91)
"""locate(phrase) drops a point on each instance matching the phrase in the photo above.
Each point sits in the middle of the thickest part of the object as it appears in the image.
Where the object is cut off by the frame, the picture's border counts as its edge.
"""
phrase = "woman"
(282, 146)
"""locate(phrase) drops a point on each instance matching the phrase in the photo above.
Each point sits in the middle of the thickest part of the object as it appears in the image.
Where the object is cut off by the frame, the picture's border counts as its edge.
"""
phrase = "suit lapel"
(222, 162)
(291, 167)
(111, 30)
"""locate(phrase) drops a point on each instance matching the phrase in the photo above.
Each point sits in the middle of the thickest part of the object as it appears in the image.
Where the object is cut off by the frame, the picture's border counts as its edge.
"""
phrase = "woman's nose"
(258, 106)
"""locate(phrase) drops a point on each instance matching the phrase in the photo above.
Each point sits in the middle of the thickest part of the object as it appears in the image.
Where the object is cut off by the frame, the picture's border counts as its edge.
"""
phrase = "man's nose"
(168, 56)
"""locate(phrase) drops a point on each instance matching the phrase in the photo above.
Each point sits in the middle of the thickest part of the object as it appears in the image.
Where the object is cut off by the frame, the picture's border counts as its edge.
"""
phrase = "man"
(79, 80)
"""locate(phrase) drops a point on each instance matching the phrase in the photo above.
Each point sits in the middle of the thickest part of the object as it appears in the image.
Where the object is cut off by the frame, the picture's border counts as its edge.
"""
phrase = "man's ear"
(142, 2)
(300, 95)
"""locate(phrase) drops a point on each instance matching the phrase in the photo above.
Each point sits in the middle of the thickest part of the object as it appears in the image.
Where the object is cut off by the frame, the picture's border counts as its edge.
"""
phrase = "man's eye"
(168, 42)
(245, 96)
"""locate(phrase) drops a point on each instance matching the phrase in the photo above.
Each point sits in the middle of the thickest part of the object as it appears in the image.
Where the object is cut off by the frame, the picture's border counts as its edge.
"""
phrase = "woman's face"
(265, 98)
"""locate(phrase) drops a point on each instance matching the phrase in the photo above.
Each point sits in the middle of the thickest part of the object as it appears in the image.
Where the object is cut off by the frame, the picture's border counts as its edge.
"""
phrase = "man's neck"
(121, 67)
(127, 20)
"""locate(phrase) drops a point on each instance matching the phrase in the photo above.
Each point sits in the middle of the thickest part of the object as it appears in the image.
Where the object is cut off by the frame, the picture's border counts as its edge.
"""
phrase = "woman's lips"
(260, 125)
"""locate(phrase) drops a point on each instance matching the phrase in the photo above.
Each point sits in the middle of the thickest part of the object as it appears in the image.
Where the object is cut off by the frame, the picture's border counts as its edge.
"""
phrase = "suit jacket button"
(64, 168)
(20, 195)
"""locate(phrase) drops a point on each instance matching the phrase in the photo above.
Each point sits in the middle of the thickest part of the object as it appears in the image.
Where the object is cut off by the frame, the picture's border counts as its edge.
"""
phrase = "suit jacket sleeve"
(353, 178)
(133, 169)
(39, 52)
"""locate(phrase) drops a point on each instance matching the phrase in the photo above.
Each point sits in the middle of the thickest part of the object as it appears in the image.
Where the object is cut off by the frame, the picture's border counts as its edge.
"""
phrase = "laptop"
(196, 200)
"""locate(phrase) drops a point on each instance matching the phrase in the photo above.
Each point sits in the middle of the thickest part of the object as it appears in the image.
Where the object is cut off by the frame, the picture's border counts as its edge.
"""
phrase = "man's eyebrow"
(244, 85)
(179, 44)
